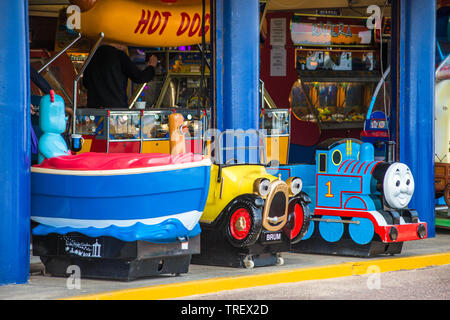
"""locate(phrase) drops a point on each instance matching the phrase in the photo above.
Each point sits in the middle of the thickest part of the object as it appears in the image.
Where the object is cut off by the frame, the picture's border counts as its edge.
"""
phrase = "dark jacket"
(106, 78)
(39, 81)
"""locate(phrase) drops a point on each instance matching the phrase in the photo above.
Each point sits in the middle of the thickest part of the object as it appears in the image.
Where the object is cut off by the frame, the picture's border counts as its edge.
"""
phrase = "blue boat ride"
(152, 197)
(117, 216)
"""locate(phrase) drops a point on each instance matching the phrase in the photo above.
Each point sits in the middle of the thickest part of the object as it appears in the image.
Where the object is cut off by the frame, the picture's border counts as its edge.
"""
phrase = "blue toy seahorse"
(52, 122)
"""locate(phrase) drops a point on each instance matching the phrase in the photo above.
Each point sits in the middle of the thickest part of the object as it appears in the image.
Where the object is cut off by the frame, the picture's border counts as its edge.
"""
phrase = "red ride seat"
(115, 161)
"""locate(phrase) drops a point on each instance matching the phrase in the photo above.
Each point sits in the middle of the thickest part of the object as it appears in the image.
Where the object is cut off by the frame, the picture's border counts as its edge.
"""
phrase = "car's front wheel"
(243, 224)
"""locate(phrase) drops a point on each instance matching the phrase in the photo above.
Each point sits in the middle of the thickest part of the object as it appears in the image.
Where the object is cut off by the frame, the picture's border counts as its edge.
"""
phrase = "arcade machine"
(338, 62)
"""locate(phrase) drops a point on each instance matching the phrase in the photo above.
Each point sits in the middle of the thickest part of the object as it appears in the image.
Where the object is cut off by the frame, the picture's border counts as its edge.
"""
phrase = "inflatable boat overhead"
(145, 23)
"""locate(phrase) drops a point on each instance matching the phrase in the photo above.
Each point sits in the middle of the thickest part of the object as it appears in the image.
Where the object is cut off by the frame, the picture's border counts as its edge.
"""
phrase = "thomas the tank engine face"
(398, 186)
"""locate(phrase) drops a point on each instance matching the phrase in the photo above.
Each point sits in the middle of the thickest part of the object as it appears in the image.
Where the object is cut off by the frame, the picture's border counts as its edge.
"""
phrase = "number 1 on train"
(329, 194)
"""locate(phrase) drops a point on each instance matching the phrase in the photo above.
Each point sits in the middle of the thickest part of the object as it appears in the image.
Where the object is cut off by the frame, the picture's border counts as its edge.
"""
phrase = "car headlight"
(295, 185)
(262, 187)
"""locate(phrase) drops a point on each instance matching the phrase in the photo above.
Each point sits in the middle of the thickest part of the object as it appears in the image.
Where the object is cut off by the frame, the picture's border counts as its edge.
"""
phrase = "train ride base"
(346, 246)
(112, 259)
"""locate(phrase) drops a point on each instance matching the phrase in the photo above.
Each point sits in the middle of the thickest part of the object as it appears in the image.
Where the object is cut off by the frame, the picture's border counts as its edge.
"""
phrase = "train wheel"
(298, 221)
(361, 232)
(244, 223)
(331, 231)
(310, 231)
(447, 194)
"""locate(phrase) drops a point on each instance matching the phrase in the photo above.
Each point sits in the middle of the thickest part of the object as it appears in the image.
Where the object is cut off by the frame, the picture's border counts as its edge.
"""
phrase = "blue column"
(217, 40)
(416, 101)
(240, 59)
(15, 143)
(395, 63)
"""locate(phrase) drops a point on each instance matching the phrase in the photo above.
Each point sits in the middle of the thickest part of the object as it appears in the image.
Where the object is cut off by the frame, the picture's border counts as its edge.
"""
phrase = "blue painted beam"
(416, 101)
(15, 141)
(240, 59)
(395, 63)
(217, 41)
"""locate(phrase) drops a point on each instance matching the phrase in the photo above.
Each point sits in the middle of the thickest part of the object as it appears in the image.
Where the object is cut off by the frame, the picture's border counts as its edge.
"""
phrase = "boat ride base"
(110, 258)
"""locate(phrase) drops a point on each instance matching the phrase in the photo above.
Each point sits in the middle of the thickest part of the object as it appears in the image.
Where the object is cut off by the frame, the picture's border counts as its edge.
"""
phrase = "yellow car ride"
(251, 216)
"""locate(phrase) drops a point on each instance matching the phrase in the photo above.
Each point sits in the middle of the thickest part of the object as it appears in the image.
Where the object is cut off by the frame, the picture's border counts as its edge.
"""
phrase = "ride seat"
(115, 161)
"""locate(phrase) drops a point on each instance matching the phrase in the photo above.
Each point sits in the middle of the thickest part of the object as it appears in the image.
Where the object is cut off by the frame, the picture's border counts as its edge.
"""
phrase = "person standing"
(107, 74)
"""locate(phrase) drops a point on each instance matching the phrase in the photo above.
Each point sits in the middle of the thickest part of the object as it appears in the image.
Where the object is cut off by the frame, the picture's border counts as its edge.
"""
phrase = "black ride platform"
(110, 258)
(217, 251)
(346, 246)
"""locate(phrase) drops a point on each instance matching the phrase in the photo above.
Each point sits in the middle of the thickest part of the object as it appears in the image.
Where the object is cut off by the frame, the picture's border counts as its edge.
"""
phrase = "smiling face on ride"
(398, 186)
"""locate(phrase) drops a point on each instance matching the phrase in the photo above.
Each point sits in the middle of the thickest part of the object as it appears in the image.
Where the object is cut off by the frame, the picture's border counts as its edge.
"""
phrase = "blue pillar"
(416, 101)
(240, 63)
(395, 71)
(217, 40)
(15, 143)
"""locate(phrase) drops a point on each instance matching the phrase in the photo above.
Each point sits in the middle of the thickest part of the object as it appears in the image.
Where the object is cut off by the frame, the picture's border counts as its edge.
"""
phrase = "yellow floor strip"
(186, 289)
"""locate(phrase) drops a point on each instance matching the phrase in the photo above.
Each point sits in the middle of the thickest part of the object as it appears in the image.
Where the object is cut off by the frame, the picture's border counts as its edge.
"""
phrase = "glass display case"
(276, 122)
(124, 125)
(90, 122)
(332, 102)
(156, 124)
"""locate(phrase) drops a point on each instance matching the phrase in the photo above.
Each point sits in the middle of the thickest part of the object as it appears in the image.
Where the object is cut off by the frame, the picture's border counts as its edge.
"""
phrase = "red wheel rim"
(240, 224)
(298, 220)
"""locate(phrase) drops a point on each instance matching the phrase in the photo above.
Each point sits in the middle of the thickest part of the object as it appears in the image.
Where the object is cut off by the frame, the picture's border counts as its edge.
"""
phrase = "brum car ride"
(250, 216)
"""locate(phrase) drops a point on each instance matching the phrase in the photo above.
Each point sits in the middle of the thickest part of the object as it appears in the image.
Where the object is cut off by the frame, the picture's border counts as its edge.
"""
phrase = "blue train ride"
(359, 204)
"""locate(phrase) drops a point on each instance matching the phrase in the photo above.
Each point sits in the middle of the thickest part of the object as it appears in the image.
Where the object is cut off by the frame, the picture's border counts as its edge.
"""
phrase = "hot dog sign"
(151, 23)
